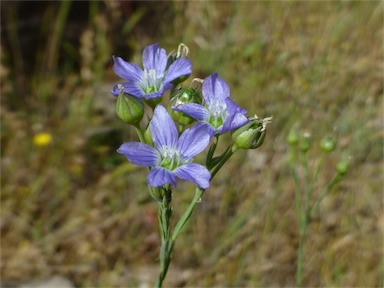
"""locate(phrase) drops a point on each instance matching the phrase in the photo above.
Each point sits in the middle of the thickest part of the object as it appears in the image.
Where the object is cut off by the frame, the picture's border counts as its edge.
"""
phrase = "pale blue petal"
(127, 70)
(178, 68)
(163, 129)
(193, 140)
(214, 88)
(235, 117)
(155, 58)
(232, 107)
(222, 88)
(234, 121)
(139, 154)
(238, 121)
(210, 129)
(196, 111)
(133, 89)
(159, 176)
(196, 173)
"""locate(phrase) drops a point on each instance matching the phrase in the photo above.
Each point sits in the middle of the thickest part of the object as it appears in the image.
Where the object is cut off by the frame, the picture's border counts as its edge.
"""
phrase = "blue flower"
(218, 111)
(155, 79)
(171, 156)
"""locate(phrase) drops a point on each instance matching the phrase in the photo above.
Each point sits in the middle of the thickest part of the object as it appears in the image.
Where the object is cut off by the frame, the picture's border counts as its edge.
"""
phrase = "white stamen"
(151, 80)
(182, 51)
(264, 123)
(171, 156)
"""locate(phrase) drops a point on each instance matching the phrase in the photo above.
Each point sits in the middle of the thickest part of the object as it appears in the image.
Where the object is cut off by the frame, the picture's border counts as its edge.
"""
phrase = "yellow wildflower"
(42, 139)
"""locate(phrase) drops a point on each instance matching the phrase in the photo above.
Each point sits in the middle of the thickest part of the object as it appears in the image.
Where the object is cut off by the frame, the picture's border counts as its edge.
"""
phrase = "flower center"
(170, 158)
(151, 81)
(218, 113)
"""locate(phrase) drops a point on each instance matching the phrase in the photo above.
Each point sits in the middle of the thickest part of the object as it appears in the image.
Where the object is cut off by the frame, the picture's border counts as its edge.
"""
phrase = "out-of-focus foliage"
(75, 208)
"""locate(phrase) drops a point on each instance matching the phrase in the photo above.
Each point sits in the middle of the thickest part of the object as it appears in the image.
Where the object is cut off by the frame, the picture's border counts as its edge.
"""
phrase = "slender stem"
(315, 177)
(167, 240)
(187, 214)
(303, 209)
(229, 153)
(307, 180)
(329, 186)
(302, 202)
(140, 134)
(318, 167)
(300, 266)
(165, 212)
(198, 194)
(298, 203)
(308, 212)
(304, 219)
(292, 166)
(211, 151)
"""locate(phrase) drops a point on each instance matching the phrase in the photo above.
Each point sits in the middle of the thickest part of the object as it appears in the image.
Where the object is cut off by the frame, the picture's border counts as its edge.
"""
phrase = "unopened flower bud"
(342, 167)
(293, 138)
(129, 108)
(327, 144)
(305, 142)
(249, 136)
(184, 96)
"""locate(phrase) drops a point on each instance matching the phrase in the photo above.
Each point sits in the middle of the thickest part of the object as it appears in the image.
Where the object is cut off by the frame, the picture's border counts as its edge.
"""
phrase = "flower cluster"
(178, 129)
(183, 130)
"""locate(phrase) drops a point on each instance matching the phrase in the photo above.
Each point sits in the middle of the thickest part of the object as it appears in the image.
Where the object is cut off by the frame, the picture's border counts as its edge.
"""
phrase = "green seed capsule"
(129, 108)
(327, 144)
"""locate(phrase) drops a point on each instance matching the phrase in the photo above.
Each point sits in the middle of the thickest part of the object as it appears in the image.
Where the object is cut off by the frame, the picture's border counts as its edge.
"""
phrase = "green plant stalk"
(307, 212)
(164, 215)
(211, 150)
(304, 220)
(198, 194)
(302, 208)
(307, 181)
(298, 204)
(315, 176)
(167, 240)
(315, 208)
(139, 133)
(224, 159)
(302, 226)
(187, 214)
(165, 212)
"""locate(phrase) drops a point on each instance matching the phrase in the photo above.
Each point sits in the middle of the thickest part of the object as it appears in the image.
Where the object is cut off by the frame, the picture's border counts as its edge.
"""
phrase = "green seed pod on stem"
(129, 108)
(251, 135)
(327, 144)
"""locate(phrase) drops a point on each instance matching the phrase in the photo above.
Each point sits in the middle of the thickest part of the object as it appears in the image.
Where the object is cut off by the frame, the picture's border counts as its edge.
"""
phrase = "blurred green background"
(76, 208)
